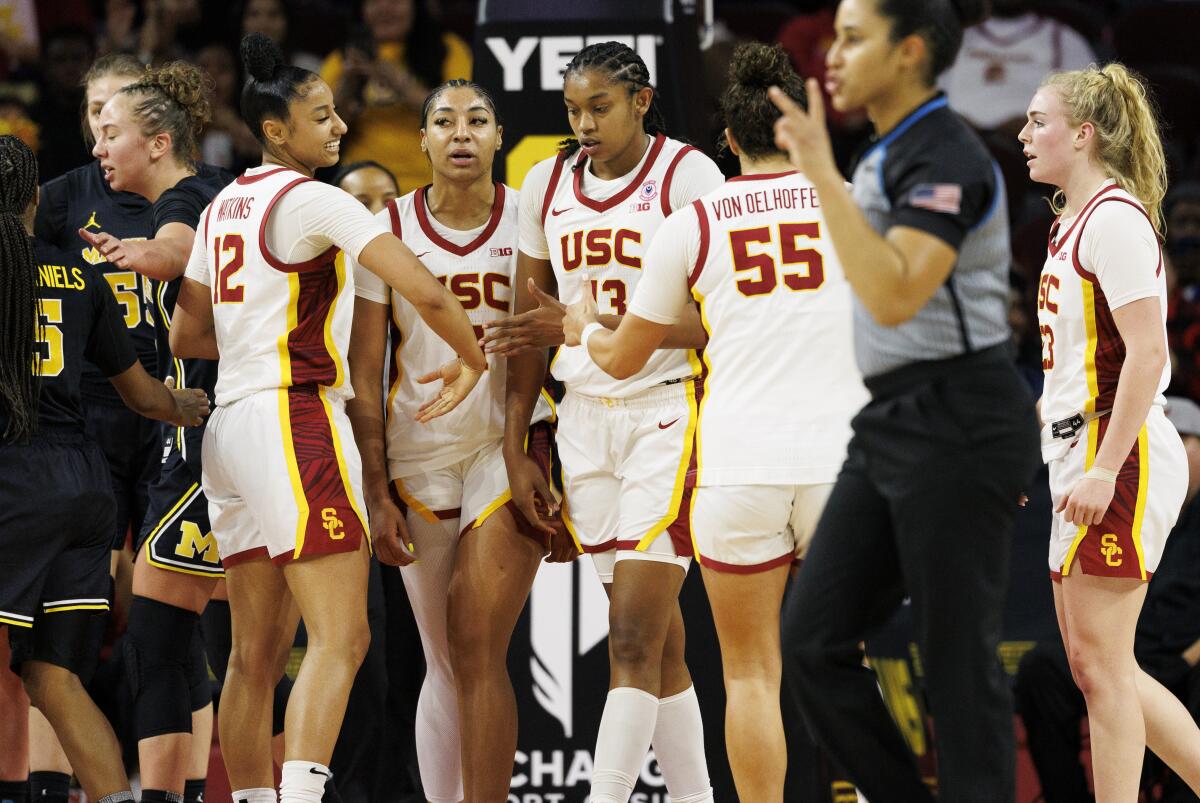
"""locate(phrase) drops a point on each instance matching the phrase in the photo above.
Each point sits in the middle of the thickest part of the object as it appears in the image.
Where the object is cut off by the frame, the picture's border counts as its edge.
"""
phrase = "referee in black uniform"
(924, 505)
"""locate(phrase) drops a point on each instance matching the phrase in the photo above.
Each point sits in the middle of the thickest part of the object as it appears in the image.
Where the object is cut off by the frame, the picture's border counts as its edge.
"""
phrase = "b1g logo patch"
(500, 252)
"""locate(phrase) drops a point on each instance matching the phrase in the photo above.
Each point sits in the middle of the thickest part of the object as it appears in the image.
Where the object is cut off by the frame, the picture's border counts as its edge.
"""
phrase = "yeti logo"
(555, 51)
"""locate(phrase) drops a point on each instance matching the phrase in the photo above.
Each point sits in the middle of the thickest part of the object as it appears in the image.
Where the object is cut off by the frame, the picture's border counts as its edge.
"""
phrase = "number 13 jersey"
(598, 232)
(1103, 258)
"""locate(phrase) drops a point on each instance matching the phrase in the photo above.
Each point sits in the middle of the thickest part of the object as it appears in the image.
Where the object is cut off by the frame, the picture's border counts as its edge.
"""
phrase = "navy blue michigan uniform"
(82, 199)
(56, 505)
(176, 534)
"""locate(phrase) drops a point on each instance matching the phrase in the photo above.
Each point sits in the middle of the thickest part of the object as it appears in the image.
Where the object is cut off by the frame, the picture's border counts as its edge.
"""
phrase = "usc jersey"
(280, 321)
(1106, 256)
(599, 234)
(782, 383)
(477, 266)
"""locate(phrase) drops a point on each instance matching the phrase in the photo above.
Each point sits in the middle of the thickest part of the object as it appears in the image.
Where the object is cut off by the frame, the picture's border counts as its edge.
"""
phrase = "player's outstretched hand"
(389, 534)
(803, 133)
(538, 328)
(579, 315)
(114, 250)
(458, 379)
(530, 493)
(191, 404)
(1087, 501)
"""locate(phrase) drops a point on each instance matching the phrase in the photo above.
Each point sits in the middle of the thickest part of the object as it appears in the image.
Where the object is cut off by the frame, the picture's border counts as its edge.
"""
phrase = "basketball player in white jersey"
(477, 556)
(779, 393)
(267, 292)
(587, 217)
(1118, 471)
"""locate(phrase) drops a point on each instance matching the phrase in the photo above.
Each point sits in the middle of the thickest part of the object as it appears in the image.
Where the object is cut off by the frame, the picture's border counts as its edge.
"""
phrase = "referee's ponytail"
(1114, 99)
(19, 358)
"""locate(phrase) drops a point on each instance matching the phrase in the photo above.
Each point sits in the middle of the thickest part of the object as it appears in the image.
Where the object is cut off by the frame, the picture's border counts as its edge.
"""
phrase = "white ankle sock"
(679, 747)
(621, 744)
(303, 782)
(259, 795)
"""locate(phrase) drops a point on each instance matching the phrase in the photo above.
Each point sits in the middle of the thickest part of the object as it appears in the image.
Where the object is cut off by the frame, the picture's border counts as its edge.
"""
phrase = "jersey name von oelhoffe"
(597, 232)
(782, 382)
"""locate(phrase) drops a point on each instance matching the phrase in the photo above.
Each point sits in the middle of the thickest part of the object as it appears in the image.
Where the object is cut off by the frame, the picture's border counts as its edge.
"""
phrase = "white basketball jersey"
(782, 382)
(478, 267)
(278, 325)
(1084, 278)
(602, 243)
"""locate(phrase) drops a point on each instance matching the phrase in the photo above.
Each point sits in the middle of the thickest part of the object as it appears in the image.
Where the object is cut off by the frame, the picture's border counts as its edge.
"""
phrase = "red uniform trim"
(1090, 557)
(310, 358)
(552, 187)
(1091, 277)
(752, 568)
(604, 546)
(603, 206)
(244, 556)
(207, 215)
(1055, 246)
(705, 235)
(762, 176)
(321, 479)
(444, 244)
(318, 261)
(394, 215)
(246, 179)
(665, 195)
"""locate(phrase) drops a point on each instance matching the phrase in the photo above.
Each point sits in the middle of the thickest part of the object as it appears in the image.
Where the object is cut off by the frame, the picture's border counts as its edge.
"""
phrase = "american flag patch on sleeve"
(945, 198)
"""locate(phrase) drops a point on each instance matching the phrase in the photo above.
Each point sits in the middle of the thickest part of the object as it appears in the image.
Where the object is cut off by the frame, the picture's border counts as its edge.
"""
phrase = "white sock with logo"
(303, 782)
(621, 744)
(259, 795)
(679, 747)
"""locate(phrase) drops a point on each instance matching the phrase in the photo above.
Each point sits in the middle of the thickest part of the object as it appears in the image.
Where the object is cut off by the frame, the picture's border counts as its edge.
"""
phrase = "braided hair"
(621, 64)
(18, 291)
(173, 99)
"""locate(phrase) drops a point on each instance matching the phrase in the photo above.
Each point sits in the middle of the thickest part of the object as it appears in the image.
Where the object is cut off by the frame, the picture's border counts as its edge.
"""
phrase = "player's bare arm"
(620, 353)
(162, 258)
(193, 333)
(146, 396)
(892, 276)
(391, 260)
(368, 343)
(526, 372)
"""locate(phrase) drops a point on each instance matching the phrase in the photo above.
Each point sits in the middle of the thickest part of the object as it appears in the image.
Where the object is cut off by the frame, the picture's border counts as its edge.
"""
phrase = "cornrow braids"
(621, 64)
(20, 360)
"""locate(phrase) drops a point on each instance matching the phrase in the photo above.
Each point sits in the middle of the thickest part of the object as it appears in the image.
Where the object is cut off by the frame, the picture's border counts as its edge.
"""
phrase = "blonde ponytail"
(1114, 100)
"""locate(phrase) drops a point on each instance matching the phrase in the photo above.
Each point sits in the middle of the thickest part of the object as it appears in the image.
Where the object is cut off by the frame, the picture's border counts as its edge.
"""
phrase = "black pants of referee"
(923, 507)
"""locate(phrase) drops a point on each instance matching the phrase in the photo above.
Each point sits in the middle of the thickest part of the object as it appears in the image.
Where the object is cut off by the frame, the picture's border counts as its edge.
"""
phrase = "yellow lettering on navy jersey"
(57, 276)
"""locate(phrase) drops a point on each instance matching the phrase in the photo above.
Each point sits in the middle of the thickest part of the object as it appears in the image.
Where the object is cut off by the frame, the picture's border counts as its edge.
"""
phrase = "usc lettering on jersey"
(278, 325)
(1106, 256)
(600, 244)
(782, 382)
(478, 267)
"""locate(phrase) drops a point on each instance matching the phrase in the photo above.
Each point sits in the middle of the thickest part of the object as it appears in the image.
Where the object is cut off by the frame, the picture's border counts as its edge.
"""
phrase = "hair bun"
(971, 12)
(261, 56)
(757, 66)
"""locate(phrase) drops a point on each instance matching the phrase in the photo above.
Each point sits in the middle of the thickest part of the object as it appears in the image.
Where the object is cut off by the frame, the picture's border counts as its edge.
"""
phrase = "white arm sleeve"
(366, 284)
(532, 238)
(662, 290)
(197, 266)
(1120, 247)
(312, 216)
(696, 175)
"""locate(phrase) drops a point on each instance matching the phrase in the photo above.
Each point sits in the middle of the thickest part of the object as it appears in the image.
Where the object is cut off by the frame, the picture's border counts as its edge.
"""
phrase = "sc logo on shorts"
(1109, 549)
(332, 524)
